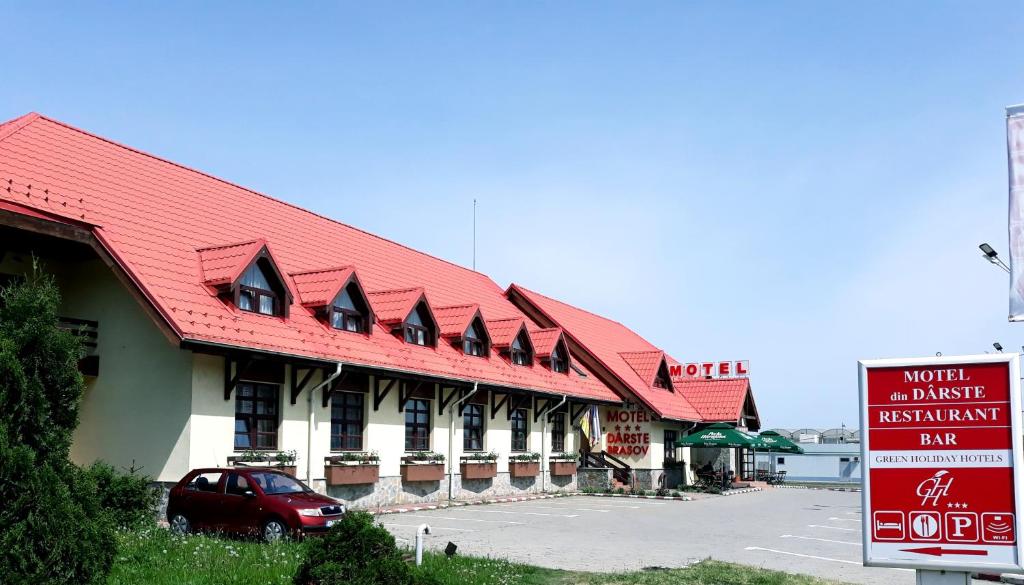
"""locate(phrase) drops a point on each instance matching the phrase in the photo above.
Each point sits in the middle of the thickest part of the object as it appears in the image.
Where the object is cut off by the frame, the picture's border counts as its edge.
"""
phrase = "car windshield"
(278, 483)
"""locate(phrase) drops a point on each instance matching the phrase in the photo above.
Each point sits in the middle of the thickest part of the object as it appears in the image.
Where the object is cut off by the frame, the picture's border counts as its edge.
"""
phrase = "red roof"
(153, 215)
(544, 340)
(717, 399)
(319, 288)
(644, 363)
(454, 321)
(615, 346)
(393, 306)
(224, 264)
(504, 331)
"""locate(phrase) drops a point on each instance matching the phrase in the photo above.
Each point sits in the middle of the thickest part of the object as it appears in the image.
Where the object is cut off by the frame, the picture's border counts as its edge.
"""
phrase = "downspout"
(544, 443)
(309, 428)
(451, 439)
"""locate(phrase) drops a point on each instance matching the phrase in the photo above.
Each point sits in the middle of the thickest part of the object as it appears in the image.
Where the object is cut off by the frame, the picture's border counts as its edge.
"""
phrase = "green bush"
(128, 498)
(54, 529)
(356, 552)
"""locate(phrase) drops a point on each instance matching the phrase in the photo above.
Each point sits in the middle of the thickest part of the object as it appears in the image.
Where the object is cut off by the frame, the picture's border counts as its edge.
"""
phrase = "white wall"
(136, 411)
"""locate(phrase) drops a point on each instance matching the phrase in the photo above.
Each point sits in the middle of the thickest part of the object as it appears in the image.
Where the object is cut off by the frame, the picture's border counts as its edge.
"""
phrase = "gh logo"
(934, 488)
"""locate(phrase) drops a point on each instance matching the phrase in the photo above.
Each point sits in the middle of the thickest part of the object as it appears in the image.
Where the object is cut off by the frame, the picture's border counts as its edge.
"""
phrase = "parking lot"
(801, 531)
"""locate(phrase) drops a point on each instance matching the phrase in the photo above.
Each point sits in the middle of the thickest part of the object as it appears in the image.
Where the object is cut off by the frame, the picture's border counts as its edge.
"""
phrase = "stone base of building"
(594, 478)
(391, 490)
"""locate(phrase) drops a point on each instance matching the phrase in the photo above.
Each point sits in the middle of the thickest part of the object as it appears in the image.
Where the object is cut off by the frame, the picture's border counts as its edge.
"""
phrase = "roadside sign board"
(941, 446)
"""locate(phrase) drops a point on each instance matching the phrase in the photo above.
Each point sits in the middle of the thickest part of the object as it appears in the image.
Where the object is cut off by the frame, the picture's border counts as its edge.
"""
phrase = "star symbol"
(637, 427)
(618, 427)
(949, 505)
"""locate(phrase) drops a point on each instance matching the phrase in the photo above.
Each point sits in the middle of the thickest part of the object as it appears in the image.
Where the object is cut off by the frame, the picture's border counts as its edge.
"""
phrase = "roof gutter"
(437, 377)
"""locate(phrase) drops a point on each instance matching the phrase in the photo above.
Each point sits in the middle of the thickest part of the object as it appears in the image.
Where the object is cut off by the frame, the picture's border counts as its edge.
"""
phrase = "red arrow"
(938, 551)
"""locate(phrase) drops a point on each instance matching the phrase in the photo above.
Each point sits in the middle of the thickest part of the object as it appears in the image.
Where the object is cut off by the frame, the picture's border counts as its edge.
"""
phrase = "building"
(224, 326)
(831, 455)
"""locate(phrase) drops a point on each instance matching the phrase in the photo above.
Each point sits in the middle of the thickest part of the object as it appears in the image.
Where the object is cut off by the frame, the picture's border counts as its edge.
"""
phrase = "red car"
(248, 501)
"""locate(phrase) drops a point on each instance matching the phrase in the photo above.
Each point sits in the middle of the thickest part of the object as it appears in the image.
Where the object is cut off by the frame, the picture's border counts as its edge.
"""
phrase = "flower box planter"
(524, 468)
(342, 474)
(422, 471)
(478, 469)
(563, 467)
(289, 469)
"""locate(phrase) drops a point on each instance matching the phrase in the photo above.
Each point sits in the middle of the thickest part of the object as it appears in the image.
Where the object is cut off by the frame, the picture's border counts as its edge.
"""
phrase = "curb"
(811, 487)
(458, 504)
(741, 491)
(676, 498)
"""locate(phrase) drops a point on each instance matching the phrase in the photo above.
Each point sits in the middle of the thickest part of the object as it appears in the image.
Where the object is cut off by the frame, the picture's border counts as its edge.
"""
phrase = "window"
(416, 329)
(273, 483)
(205, 482)
(417, 425)
(558, 362)
(519, 429)
(660, 381)
(473, 427)
(475, 341)
(670, 445)
(255, 294)
(558, 433)
(256, 416)
(520, 352)
(780, 461)
(346, 421)
(237, 485)
(349, 311)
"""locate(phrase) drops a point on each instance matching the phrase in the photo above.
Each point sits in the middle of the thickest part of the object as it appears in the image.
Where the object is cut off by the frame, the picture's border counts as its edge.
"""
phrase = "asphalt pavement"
(796, 530)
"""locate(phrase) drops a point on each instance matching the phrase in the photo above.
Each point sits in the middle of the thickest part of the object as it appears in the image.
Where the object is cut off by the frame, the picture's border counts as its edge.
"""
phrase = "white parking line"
(521, 513)
(833, 527)
(460, 519)
(782, 552)
(845, 519)
(821, 539)
(432, 527)
(552, 508)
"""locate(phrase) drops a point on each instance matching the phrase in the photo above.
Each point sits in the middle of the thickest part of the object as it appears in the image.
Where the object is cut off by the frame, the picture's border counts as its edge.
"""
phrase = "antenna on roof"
(474, 233)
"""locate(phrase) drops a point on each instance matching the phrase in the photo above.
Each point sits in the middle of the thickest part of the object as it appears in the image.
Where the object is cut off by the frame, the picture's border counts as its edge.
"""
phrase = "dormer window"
(255, 293)
(417, 330)
(349, 311)
(474, 342)
(519, 351)
(559, 363)
(660, 381)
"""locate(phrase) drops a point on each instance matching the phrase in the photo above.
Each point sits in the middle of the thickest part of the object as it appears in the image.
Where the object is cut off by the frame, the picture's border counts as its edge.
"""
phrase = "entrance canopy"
(718, 435)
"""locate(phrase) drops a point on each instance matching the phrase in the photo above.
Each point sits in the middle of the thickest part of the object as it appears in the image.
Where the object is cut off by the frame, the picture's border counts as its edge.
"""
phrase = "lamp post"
(992, 256)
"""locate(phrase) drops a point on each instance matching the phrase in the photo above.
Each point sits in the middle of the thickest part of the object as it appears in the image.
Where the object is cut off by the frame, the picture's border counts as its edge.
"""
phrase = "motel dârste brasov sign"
(941, 446)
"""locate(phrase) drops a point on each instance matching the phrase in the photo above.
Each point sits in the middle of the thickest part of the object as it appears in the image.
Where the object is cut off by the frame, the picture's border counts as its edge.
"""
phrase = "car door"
(201, 498)
(239, 507)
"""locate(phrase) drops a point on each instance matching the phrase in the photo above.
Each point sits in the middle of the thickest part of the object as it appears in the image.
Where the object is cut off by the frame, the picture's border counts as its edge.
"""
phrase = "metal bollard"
(420, 532)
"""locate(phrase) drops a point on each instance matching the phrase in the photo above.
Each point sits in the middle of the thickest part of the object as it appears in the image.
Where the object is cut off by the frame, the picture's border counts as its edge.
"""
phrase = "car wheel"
(180, 525)
(274, 530)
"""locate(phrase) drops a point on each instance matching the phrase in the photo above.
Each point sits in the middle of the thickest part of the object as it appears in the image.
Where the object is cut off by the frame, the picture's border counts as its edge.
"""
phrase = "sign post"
(942, 455)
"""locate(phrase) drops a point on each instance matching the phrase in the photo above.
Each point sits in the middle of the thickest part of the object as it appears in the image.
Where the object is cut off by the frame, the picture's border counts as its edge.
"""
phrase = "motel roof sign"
(942, 454)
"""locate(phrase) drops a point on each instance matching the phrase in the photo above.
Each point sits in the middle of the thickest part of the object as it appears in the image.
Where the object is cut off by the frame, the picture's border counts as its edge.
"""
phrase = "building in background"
(830, 455)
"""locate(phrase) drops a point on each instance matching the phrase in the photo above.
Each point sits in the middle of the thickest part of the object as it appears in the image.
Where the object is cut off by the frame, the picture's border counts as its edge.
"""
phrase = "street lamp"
(992, 256)
(998, 346)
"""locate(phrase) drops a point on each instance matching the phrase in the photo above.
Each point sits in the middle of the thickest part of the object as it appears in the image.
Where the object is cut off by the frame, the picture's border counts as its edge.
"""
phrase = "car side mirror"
(249, 494)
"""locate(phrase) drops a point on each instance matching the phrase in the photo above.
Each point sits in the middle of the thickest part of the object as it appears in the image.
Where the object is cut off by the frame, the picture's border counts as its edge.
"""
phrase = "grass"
(154, 557)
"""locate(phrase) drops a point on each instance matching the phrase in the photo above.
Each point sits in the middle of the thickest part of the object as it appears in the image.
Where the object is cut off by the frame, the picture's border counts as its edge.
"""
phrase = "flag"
(590, 426)
(1015, 155)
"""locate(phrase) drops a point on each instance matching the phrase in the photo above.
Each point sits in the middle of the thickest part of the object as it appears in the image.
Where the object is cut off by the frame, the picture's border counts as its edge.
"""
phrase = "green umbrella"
(717, 435)
(772, 441)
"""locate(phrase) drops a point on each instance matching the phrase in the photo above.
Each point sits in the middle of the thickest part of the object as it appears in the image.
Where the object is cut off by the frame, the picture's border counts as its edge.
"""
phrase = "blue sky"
(793, 183)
